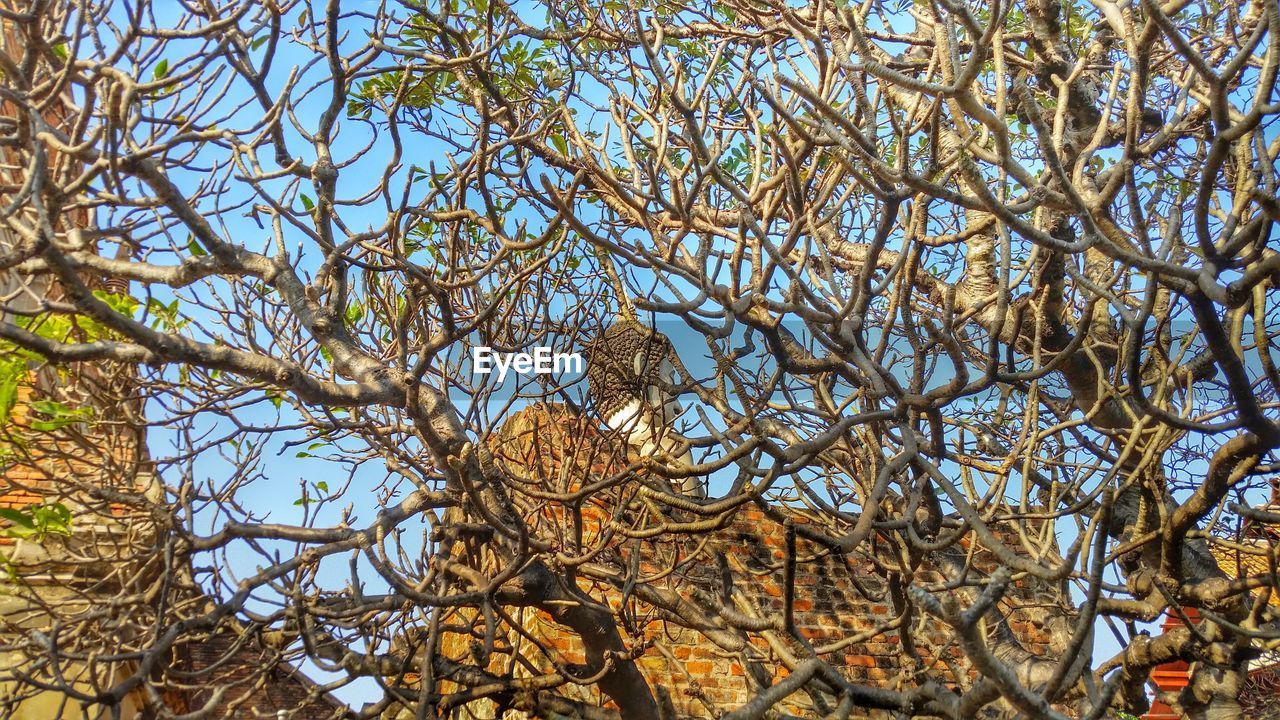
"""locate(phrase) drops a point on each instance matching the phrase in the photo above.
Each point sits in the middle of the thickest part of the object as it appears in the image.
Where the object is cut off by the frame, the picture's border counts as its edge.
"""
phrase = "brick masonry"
(101, 472)
(843, 606)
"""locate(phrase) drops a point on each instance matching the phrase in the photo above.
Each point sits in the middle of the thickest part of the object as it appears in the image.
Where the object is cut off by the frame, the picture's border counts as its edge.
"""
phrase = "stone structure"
(738, 568)
(96, 564)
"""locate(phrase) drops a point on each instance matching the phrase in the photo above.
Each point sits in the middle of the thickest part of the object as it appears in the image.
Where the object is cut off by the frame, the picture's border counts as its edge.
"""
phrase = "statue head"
(629, 363)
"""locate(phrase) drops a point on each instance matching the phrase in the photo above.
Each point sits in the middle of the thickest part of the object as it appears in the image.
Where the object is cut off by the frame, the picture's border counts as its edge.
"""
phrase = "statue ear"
(667, 369)
(638, 363)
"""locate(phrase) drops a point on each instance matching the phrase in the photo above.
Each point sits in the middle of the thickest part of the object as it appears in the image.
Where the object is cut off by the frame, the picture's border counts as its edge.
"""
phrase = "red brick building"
(1251, 556)
(842, 606)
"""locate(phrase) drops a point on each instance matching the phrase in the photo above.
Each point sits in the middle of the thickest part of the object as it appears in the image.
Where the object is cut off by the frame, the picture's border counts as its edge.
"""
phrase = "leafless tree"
(964, 272)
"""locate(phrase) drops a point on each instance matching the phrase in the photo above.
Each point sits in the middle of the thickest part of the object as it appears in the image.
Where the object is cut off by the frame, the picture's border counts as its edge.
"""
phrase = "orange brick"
(699, 668)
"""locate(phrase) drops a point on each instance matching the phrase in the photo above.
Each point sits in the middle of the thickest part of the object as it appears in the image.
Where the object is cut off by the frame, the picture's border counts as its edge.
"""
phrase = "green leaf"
(193, 247)
(121, 303)
(52, 519)
(37, 522)
(559, 142)
(8, 395)
(50, 408)
(322, 486)
(60, 50)
(10, 570)
(162, 69)
(307, 202)
(59, 415)
(18, 518)
(61, 512)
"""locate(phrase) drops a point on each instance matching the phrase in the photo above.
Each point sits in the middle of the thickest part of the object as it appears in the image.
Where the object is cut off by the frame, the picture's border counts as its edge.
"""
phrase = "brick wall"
(253, 681)
(101, 472)
(842, 603)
